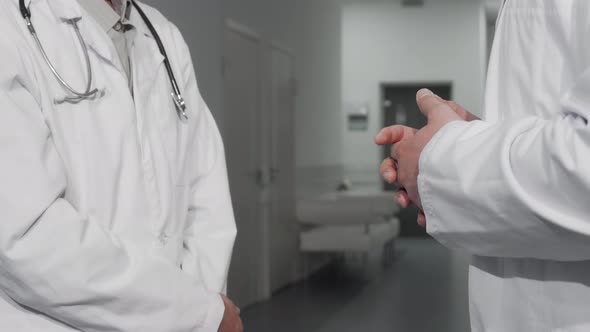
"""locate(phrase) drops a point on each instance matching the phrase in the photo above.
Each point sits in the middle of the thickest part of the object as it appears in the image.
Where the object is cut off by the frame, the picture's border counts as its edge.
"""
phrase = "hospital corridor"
(299, 89)
(294, 165)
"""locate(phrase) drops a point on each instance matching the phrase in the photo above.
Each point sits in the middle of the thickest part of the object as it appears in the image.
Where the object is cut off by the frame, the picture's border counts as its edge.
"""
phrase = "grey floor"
(425, 290)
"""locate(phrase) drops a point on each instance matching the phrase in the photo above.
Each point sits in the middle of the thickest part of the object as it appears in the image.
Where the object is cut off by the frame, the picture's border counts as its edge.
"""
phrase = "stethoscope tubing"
(176, 94)
(90, 93)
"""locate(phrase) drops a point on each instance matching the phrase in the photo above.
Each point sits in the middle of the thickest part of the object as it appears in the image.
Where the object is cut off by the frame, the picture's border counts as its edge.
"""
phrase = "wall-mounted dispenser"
(358, 116)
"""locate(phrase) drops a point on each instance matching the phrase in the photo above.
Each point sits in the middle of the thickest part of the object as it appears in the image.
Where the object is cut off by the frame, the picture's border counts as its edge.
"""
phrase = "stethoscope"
(90, 93)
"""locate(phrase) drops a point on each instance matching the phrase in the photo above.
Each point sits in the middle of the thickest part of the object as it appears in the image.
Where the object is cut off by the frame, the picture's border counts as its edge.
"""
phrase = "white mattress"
(349, 238)
(346, 208)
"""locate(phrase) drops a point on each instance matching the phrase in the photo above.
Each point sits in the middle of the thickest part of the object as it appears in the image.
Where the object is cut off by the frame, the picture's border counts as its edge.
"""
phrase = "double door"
(258, 130)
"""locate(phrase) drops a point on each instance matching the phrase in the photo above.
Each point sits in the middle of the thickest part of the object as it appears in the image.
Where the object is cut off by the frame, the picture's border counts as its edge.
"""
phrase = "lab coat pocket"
(169, 241)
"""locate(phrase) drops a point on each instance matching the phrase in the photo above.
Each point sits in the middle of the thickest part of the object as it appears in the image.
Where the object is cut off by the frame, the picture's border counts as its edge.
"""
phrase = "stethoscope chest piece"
(180, 107)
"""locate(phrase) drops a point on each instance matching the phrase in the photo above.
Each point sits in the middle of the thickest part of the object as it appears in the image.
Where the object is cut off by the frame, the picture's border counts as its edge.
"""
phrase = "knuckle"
(385, 168)
(440, 108)
(386, 164)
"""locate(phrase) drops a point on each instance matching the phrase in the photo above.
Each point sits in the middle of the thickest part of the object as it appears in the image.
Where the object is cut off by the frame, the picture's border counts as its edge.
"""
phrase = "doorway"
(284, 247)
(259, 135)
(242, 95)
(399, 107)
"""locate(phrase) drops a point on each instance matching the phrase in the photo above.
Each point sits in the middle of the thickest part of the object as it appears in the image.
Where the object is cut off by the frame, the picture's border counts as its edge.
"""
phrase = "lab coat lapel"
(96, 40)
(99, 43)
(146, 58)
(65, 9)
(60, 42)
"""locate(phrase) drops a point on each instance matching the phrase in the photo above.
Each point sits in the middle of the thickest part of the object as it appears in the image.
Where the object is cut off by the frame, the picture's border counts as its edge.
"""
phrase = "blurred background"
(299, 88)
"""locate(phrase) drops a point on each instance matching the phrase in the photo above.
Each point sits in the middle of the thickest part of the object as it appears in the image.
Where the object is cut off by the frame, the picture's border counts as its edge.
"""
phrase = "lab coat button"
(163, 239)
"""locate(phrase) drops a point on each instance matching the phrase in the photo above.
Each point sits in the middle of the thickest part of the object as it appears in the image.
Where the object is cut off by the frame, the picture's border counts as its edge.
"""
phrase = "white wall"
(384, 42)
(312, 29)
(318, 112)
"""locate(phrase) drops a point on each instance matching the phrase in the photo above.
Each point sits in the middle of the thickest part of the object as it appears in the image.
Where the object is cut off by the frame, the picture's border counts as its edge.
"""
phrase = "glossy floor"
(425, 290)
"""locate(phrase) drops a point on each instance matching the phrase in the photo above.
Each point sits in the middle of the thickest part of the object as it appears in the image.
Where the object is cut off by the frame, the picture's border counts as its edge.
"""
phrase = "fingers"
(422, 219)
(429, 103)
(229, 303)
(388, 170)
(231, 318)
(402, 199)
(395, 150)
(393, 134)
(400, 149)
(389, 135)
(457, 108)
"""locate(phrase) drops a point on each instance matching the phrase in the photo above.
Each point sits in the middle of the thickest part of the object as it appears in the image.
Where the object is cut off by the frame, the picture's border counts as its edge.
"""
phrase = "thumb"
(431, 105)
(462, 112)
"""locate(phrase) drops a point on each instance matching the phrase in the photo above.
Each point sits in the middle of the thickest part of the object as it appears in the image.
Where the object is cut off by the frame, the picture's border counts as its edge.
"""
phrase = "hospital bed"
(349, 222)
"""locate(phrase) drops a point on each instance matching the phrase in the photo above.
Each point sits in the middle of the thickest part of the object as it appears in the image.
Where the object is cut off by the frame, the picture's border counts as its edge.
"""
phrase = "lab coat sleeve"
(211, 230)
(518, 188)
(64, 265)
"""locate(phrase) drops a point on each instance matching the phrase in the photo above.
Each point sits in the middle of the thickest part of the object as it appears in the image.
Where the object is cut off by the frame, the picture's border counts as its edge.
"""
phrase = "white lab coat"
(114, 215)
(514, 190)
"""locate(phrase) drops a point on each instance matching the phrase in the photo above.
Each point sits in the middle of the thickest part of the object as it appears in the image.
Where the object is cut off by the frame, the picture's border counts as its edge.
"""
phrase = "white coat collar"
(103, 13)
(147, 50)
(144, 50)
(60, 9)
(65, 9)
(71, 9)
(146, 55)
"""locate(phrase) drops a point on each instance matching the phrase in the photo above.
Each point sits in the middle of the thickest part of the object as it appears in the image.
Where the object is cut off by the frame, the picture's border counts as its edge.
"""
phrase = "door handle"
(260, 178)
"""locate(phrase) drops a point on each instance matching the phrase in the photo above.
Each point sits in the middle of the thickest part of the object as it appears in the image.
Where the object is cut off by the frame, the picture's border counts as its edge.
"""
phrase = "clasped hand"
(231, 321)
(408, 143)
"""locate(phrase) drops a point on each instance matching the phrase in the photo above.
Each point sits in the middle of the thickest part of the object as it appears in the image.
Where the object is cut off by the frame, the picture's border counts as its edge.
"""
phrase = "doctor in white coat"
(514, 189)
(115, 214)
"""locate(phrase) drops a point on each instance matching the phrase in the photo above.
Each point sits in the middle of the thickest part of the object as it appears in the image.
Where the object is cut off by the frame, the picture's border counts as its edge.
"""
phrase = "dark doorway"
(399, 107)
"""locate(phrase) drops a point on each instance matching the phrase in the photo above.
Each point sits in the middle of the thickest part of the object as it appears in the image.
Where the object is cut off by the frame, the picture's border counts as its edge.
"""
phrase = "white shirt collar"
(103, 13)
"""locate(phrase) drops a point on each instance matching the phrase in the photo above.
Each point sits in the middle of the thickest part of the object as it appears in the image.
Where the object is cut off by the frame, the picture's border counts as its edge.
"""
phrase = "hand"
(388, 168)
(231, 321)
(428, 103)
(407, 152)
(461, 112)
(393, 134)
